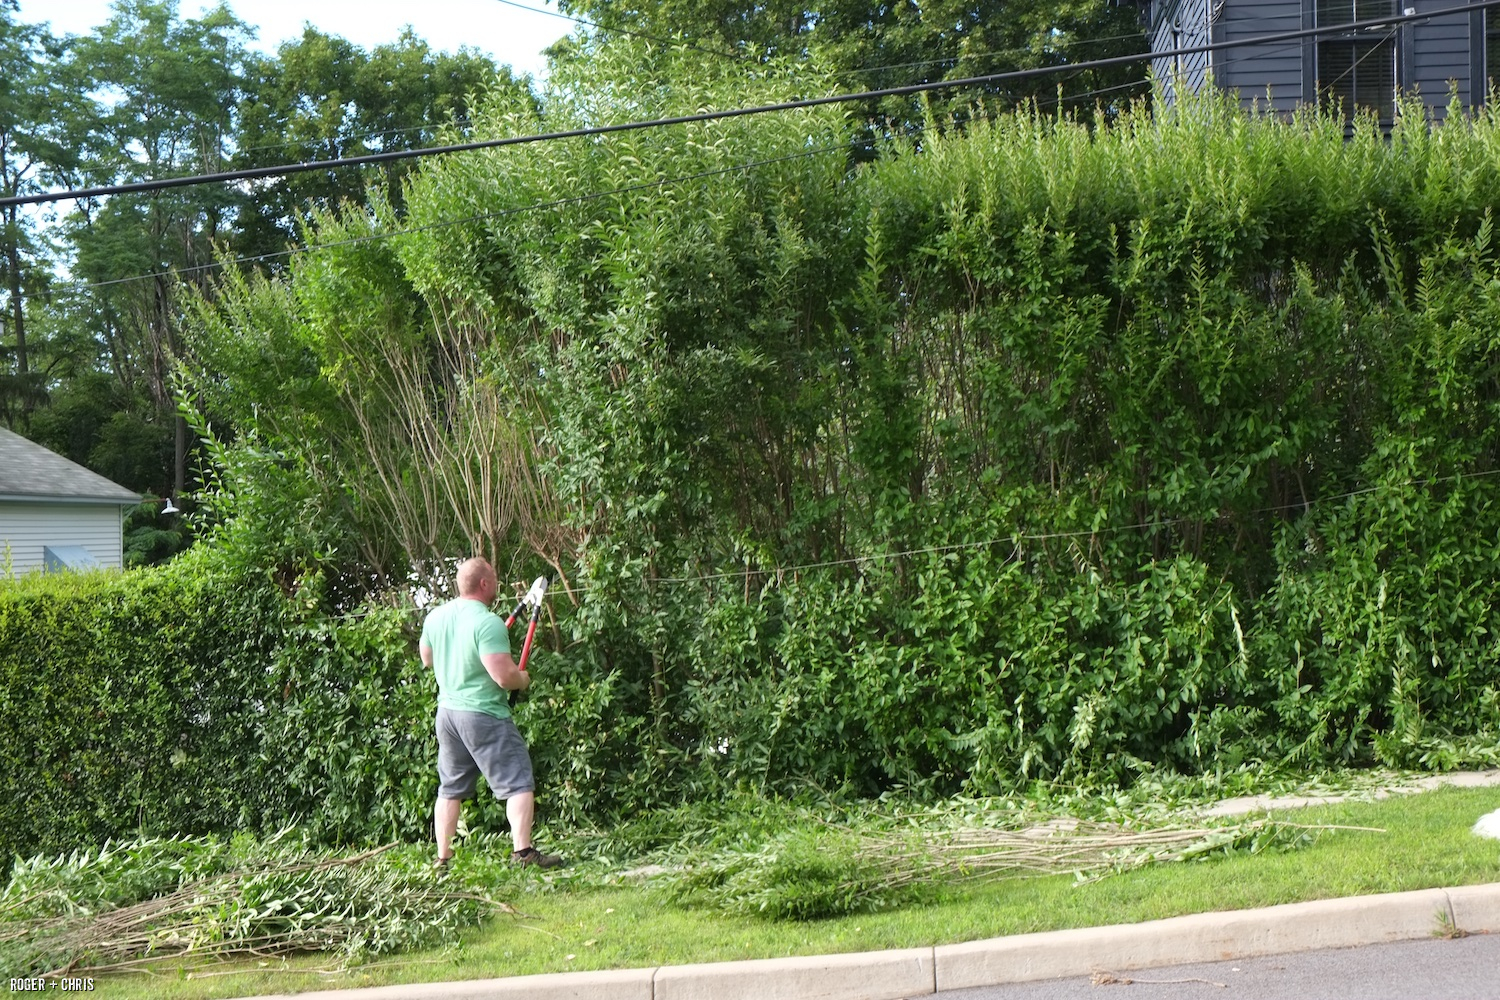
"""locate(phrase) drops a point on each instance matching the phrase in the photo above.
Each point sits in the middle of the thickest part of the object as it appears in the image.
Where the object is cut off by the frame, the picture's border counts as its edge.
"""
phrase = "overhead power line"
(256, 173)
(464, 123)
(993, 54)
(850, 71)
(541, 206)
(1016, 538)
(621, 31)
(477, 217)
(1072, 43)
(522, 209)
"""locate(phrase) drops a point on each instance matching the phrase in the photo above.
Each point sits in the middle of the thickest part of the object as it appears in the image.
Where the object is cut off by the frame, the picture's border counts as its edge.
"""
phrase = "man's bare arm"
(503, 670)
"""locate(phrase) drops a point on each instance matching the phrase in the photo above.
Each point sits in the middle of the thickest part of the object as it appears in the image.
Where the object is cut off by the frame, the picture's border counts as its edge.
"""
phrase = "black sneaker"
(441, 864)
(532, 858)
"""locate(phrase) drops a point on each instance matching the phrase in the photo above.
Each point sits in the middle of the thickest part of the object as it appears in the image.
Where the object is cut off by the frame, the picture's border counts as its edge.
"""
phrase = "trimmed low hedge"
(196, 698)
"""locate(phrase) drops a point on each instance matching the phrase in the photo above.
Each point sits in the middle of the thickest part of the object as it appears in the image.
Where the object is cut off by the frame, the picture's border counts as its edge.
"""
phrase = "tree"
(322, 97)
(90, 367)
(168, 90)
(878, 44)
(35, 107)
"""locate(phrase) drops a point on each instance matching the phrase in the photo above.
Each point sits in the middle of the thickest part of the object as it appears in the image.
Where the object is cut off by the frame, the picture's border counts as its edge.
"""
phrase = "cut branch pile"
(809, 874)
(129, 907)
(1063, 846)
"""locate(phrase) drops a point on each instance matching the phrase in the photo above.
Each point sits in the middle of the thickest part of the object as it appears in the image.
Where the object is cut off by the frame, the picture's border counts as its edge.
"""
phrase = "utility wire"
(989, 54)
(859, 69)
(1307, 504)
(466, 124)
(320, 140)
(575, 199)
(709, 116)
(1018, 538)
(622, 31)
(464, 220)
(539, 206)
(1015, 539)
(1370, 48)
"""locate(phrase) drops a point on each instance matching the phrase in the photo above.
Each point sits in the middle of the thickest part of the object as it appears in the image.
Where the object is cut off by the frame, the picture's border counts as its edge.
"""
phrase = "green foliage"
(167, 89)
(349, 750)
(323, 97)
(873, 46)
(86, 366)
(93, 420)
(123, 696)
(116, 874)
(202, 697)
(1039, 452)
(34, 150)
(801, 875)
(138, 903)
(151, 536)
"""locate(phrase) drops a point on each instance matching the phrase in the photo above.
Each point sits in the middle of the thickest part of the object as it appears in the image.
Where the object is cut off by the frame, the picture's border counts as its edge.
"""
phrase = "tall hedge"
(1029, 450)
(1032, 449)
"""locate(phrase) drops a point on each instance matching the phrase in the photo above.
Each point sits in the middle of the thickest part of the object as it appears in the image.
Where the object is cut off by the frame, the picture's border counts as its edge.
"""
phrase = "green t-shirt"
(457, 633)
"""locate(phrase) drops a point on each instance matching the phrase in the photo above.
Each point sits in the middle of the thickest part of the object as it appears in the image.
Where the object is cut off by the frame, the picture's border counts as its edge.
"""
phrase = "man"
(466, 646)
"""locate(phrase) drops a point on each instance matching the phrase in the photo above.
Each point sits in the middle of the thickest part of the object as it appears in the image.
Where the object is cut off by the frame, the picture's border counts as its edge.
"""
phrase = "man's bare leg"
(519, 810)
(445, 825)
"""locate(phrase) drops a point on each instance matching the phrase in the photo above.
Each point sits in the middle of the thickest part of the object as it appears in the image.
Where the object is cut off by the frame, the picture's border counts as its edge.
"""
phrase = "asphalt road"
(1460, 969)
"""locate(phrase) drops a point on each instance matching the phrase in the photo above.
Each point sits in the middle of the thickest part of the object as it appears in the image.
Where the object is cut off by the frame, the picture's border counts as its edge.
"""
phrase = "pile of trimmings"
(809, 873)
(129, 906)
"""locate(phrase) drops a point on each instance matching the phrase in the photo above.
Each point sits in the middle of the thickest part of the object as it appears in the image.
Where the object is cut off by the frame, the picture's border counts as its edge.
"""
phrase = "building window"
(1357, 69)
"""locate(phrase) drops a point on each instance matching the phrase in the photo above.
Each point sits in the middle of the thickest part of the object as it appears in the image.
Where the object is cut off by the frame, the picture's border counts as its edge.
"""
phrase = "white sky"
(511, 35)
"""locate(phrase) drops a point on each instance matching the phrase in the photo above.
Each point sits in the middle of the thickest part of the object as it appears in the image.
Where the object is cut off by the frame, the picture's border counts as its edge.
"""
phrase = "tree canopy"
(874, 45)
(92, 319)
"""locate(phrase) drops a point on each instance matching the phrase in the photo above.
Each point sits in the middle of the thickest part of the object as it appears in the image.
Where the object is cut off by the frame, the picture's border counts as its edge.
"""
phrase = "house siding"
(27, 528)
(1433, 56)
(1440, 52)
(1253, 70)
(1181, 24)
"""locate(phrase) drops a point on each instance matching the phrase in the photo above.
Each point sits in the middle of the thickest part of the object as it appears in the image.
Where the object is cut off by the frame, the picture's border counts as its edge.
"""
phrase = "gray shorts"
(472, 742)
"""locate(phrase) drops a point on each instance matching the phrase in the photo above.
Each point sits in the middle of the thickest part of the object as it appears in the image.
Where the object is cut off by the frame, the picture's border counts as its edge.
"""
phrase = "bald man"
(466, 646)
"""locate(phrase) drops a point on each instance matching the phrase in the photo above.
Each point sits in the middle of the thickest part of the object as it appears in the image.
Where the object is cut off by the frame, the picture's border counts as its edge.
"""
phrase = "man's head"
(476, 580)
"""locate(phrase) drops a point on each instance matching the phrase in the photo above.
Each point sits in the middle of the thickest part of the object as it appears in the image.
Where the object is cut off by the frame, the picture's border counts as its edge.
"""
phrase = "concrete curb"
(914, 972)
(870, 975)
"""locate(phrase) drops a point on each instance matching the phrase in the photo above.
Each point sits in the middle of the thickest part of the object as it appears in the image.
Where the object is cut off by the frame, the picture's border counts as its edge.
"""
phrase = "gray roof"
(30, 472)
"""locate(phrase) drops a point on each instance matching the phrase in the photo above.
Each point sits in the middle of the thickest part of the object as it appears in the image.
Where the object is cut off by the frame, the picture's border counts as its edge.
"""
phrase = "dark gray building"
(1365, 68)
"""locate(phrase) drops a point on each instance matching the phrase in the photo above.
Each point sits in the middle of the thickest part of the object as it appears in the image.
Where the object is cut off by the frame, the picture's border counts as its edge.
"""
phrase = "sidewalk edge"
(912, 972)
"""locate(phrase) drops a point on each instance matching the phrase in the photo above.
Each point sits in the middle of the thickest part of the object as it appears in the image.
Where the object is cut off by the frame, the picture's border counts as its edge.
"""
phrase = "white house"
(55, 514)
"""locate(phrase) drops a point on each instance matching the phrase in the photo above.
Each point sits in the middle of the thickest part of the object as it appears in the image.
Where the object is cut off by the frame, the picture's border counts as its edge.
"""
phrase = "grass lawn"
(580, 926)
